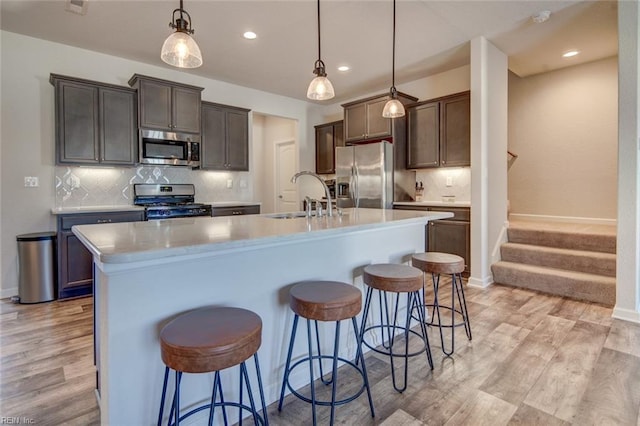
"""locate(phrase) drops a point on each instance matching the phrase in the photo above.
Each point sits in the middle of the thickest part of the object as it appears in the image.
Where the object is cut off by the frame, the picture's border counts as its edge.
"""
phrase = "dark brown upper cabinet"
(328, 137)
(439, 132)
(363, 118)
(95, 122)
(225, 137)
(166, 105)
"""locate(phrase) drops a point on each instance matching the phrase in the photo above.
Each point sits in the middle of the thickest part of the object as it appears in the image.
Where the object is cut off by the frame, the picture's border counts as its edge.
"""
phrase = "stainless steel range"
(168, 201)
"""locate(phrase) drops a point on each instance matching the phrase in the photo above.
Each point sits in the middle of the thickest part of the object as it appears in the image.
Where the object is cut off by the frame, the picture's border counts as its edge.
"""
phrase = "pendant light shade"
(320, 88)
(180, 49)
(393, 108)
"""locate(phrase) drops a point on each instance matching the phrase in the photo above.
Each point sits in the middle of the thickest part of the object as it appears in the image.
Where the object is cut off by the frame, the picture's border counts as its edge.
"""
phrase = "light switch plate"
(449, 181)
(229, 183)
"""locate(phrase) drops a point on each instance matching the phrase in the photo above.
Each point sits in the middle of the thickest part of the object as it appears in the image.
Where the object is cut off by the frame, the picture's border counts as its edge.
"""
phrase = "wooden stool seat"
(393, 277)
(325, 300)
(438, 263)
(210, 339)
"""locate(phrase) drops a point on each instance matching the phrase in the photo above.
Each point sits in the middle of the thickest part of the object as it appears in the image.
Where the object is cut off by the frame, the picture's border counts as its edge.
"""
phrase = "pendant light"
(393, 108)
(320, 88)
(180, 49)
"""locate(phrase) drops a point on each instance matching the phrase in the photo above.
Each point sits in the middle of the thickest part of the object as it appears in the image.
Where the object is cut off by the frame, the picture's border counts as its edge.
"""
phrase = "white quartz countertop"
(141, 241)
(434, 203)
(130, 207)
(96, 209)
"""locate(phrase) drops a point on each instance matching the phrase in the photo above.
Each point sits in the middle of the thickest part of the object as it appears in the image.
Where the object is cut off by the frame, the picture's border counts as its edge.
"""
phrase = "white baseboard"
(480, 282)
(626, 315)
(6, 293)
(562, 219)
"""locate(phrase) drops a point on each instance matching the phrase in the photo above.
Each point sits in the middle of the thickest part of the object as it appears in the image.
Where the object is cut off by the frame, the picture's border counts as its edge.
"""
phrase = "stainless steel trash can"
(36, 267)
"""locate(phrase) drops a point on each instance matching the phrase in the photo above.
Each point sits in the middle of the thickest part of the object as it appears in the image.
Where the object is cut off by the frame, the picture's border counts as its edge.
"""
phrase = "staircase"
(572, 260)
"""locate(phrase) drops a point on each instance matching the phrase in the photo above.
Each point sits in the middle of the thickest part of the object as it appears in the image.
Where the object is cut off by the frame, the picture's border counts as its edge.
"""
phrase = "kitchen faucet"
(326, 188)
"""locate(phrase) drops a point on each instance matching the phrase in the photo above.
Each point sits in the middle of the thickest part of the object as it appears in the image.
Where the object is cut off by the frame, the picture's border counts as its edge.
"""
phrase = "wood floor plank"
(568, 309)
(483, 409)
(624, 337)
(562, 384)
(613, 395)
(401, 418)
(597, 314)
(512, 381)
(529, 416)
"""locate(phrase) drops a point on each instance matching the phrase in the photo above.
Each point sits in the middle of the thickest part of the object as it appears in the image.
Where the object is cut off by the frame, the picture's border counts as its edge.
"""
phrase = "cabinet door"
(213, 138)
(75, 276)
(450, 236)
(186, 110)
(377, 125)
(237, 140)
(423, 128)
(77, 123)
(118, 133)
(455, 139)
(355, 122)
(338, 134)
(155, 105)
(325, 150)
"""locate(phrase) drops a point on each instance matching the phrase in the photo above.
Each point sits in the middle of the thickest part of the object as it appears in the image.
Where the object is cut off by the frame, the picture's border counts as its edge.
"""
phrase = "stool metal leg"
(311, 379)
(326, 382)
(288, 363)
(176, 399)
(423, 328)
(265, 419)
(463, 305)
(334, 371)
(164, 393)
(360, 356)
(243, 372)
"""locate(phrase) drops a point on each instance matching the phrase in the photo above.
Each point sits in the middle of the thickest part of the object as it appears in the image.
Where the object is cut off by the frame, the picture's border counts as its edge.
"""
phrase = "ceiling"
(432, 36)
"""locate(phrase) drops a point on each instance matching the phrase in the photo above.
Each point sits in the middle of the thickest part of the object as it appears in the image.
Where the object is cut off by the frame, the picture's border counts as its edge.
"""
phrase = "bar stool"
(208, 340)
(397, 279)
(325, 301)
(437, 263)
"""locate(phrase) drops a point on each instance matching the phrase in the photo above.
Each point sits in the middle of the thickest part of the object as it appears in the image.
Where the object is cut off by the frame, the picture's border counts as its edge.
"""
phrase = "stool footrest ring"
(388, 352)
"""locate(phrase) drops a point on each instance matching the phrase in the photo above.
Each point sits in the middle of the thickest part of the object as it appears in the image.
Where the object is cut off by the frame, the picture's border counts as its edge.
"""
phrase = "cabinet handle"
(236, 212)
(104, 221)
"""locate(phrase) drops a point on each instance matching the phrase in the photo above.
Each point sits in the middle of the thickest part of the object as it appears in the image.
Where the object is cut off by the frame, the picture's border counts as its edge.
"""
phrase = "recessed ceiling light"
(541, 16)
(250, 35)
(343, 68)
(570, 53)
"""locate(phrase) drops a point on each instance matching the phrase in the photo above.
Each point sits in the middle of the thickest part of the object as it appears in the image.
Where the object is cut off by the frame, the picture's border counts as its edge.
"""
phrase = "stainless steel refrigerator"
(366, 176)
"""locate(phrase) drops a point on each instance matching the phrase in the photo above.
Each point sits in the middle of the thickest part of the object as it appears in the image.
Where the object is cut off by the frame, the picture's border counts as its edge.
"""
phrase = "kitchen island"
(146, 273)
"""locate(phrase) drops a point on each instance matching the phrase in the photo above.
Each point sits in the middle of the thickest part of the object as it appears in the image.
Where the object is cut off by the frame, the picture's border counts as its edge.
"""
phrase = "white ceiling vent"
(77, 6)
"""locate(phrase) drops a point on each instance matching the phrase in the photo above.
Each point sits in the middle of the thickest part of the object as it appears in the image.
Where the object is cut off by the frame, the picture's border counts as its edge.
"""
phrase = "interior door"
(286, 192)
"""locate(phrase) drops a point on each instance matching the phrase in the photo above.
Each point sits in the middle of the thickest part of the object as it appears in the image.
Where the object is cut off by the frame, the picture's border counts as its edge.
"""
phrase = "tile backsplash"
(96, 186)
(435, 183)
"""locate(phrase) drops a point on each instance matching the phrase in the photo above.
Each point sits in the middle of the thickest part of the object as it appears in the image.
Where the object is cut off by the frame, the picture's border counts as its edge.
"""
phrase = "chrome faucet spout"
(324, 185)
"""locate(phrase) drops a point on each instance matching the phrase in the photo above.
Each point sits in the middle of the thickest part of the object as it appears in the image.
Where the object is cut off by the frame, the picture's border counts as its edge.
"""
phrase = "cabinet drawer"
(235, 211)
(67, 221)
(459, 213)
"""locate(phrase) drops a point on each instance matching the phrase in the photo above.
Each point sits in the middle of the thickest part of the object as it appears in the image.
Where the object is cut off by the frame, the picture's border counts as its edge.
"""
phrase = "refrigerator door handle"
(357, 184)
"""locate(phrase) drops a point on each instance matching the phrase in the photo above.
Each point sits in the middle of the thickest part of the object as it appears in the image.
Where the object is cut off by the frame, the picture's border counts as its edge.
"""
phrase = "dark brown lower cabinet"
(235, 210)
(452, 235)
(75, 262)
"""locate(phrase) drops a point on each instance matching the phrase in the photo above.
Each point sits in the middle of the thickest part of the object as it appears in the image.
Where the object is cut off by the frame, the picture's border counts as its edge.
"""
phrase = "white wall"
(628, 243)
(27, 144)
(563, 127)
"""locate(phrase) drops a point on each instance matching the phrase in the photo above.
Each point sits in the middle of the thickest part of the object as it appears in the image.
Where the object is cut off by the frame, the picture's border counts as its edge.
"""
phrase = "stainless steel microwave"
(169, 148)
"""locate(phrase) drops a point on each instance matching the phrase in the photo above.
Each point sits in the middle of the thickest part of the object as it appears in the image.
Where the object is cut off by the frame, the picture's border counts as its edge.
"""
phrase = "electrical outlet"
(243, 183)
(31, 181)
(449, 181)
(229, 183)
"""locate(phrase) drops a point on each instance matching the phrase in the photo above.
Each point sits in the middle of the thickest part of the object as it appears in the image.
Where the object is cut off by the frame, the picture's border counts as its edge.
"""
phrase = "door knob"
(280, 196)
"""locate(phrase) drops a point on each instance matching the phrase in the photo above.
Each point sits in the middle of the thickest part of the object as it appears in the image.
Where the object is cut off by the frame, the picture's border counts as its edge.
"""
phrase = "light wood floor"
(534, 359)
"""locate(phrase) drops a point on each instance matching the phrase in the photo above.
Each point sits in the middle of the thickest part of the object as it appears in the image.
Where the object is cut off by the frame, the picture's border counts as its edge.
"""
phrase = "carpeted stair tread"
(576, 285)
(591, 262)
(593, 240)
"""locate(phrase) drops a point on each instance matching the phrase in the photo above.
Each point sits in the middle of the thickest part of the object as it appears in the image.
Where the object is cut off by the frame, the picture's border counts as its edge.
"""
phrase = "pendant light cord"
(319, 55)
(393, 61)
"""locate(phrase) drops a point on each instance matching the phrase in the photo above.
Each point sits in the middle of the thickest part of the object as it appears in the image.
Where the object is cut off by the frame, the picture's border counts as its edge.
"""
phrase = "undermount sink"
(288, 215)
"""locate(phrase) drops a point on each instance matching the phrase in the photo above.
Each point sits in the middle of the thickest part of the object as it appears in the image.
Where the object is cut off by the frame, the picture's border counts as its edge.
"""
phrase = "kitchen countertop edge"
(434, 203)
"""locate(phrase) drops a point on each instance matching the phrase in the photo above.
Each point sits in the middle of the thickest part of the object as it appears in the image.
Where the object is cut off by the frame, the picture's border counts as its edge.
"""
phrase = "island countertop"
(157, 239)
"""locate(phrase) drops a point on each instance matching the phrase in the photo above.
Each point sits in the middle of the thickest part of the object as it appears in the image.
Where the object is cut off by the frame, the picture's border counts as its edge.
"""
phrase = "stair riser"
(594, 242)
(581, 289)
(591, 264)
